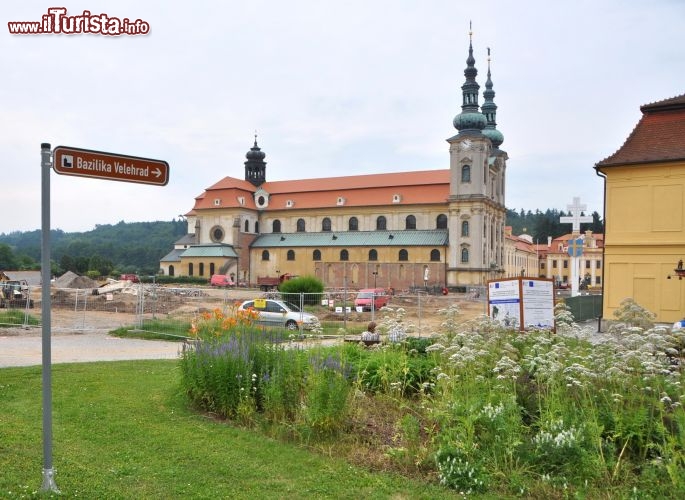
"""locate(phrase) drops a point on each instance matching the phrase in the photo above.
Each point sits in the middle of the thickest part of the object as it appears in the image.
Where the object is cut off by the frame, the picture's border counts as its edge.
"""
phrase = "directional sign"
(109, 166)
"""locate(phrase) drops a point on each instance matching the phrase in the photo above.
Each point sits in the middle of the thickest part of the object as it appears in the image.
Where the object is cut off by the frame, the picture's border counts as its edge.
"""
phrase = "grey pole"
(46, 320)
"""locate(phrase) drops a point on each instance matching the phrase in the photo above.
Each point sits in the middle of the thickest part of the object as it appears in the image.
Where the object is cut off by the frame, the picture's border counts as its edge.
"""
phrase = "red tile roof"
(414, 187)
(658, 136)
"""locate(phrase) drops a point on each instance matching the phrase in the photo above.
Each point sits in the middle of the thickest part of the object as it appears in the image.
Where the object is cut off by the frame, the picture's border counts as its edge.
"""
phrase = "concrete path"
(25, 349)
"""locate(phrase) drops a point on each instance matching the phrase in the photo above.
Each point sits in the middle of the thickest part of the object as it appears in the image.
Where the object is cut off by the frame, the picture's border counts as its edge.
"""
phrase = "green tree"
(7, 259)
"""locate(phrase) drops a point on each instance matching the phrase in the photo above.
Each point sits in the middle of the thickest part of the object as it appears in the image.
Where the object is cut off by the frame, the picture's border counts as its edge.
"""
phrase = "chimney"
(549, 241)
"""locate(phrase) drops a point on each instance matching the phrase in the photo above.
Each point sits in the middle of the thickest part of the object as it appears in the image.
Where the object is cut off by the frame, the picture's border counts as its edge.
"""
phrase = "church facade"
(398, 230)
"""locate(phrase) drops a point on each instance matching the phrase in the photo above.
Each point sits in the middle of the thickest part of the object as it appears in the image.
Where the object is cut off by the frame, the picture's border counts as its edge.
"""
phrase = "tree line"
(541, 225)
(133, 247)
(137, 247)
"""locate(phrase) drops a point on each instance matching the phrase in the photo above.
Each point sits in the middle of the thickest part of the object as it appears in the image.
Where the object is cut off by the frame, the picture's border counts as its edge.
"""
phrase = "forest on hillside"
(126, 247)
(540, 224)
(137, 247)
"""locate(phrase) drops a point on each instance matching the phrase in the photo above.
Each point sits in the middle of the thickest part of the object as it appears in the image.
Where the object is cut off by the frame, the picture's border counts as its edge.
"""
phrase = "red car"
(221, 280)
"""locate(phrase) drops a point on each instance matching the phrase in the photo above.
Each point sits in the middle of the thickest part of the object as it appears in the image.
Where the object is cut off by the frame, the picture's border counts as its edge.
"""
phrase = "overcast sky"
(332, 88)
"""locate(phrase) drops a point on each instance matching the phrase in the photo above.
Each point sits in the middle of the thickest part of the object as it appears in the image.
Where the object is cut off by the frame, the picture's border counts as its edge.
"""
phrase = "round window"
(217, 234)
(261, 201)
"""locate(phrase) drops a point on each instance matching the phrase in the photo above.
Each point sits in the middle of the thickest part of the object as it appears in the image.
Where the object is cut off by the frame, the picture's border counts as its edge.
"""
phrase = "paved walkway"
(17, 349)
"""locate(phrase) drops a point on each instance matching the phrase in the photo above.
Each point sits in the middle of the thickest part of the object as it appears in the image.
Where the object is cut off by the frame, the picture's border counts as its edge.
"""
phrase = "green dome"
(469, 120)
(494, 135)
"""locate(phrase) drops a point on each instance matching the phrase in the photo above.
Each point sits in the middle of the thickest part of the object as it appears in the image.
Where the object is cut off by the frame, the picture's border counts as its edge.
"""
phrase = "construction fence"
(173, 310)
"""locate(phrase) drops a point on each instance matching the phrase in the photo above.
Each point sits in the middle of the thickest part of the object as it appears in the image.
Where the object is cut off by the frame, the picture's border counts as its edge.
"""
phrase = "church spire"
(489, 109)
(255, 166)
(470, 119)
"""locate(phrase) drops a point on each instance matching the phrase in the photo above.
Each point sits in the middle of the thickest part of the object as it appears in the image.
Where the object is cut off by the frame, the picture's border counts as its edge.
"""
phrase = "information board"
(522, 303)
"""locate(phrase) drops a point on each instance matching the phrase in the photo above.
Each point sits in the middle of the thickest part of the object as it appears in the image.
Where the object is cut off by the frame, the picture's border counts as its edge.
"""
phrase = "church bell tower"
(477, 212)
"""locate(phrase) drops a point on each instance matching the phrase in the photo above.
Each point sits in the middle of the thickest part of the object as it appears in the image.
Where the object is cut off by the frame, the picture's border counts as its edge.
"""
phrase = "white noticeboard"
(538, 303)
(504, 302)
(522, 303)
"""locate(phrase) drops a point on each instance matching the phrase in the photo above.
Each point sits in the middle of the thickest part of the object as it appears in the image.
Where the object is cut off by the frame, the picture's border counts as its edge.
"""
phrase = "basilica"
(443, 228)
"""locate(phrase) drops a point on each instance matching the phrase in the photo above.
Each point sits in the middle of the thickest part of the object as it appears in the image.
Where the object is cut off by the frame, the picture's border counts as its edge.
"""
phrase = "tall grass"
(500, 412)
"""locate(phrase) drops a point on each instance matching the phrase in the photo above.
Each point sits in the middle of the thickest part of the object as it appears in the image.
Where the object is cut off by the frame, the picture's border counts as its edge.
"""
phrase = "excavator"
(14, 294)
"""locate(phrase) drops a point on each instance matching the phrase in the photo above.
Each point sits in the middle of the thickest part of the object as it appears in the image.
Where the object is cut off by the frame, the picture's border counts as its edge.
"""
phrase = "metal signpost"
(83, 163)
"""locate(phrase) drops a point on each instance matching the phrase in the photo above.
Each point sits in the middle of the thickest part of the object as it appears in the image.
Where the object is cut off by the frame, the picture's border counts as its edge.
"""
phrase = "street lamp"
(375, 276)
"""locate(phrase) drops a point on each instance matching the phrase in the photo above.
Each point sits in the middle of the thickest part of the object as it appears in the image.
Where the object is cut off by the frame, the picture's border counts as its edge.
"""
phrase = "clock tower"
(477, 212)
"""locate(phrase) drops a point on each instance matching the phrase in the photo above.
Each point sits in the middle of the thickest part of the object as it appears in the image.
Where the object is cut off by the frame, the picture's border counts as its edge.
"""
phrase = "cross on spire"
(576, 209)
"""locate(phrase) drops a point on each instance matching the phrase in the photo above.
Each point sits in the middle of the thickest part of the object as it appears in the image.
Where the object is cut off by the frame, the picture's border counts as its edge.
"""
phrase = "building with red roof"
(397, 230)
(644, 189)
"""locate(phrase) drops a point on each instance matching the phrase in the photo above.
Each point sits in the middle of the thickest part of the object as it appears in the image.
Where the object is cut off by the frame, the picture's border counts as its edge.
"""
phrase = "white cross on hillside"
(576, 209)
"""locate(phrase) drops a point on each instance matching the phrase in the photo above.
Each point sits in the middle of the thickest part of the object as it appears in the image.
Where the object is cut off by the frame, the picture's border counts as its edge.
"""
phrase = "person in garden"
(370, 333)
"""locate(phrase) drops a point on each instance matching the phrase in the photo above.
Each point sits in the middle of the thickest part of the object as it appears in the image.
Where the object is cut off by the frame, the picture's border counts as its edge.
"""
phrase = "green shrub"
(311, 287)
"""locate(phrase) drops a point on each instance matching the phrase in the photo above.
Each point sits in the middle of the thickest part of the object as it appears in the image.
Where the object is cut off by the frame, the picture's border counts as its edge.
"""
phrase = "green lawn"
(122, 430)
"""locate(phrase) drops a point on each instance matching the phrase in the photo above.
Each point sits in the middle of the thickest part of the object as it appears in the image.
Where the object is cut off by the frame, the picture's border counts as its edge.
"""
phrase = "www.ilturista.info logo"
(57, 22)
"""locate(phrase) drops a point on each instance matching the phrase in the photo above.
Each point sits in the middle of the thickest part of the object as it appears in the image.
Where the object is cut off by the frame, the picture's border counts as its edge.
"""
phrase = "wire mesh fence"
(173, 310)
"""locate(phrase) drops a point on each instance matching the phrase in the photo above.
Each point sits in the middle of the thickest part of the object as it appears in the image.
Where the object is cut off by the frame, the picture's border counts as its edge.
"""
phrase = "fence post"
(419, 310)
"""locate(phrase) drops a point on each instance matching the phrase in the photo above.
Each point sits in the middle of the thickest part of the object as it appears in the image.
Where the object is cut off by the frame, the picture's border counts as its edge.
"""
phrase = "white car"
(280, 313)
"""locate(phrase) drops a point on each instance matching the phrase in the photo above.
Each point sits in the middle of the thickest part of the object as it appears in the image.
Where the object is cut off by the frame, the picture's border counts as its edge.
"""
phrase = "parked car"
(280, 313)
(221, 280)
(133, 278)
(369, 298)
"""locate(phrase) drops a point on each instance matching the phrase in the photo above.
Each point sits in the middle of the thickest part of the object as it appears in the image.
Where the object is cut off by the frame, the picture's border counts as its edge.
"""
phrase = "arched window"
(441, 222)
(247, 226)
(465, 228)
(353, 224)
(410, 222)
(300, 226)
(373, 254)
(404, 255)
(381, 223)
(291, 255)
(201, 268)
(466, 173)
(190, 269)
(256, 227)
(435, 255)
(265, 255)
(276, 226)
(464, 255)
(171, 270)
(344, 255)
(326, 224)
(211, 268)
(316, 255)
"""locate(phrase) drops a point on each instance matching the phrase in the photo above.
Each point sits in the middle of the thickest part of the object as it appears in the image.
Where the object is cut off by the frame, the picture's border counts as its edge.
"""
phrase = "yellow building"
(555, 262)
(520, 255)
(644, 189)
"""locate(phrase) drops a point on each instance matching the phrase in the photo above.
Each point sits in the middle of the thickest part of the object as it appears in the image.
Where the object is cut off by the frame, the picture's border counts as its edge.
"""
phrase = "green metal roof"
(173, 256)
(209, 251)
(406, 238)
